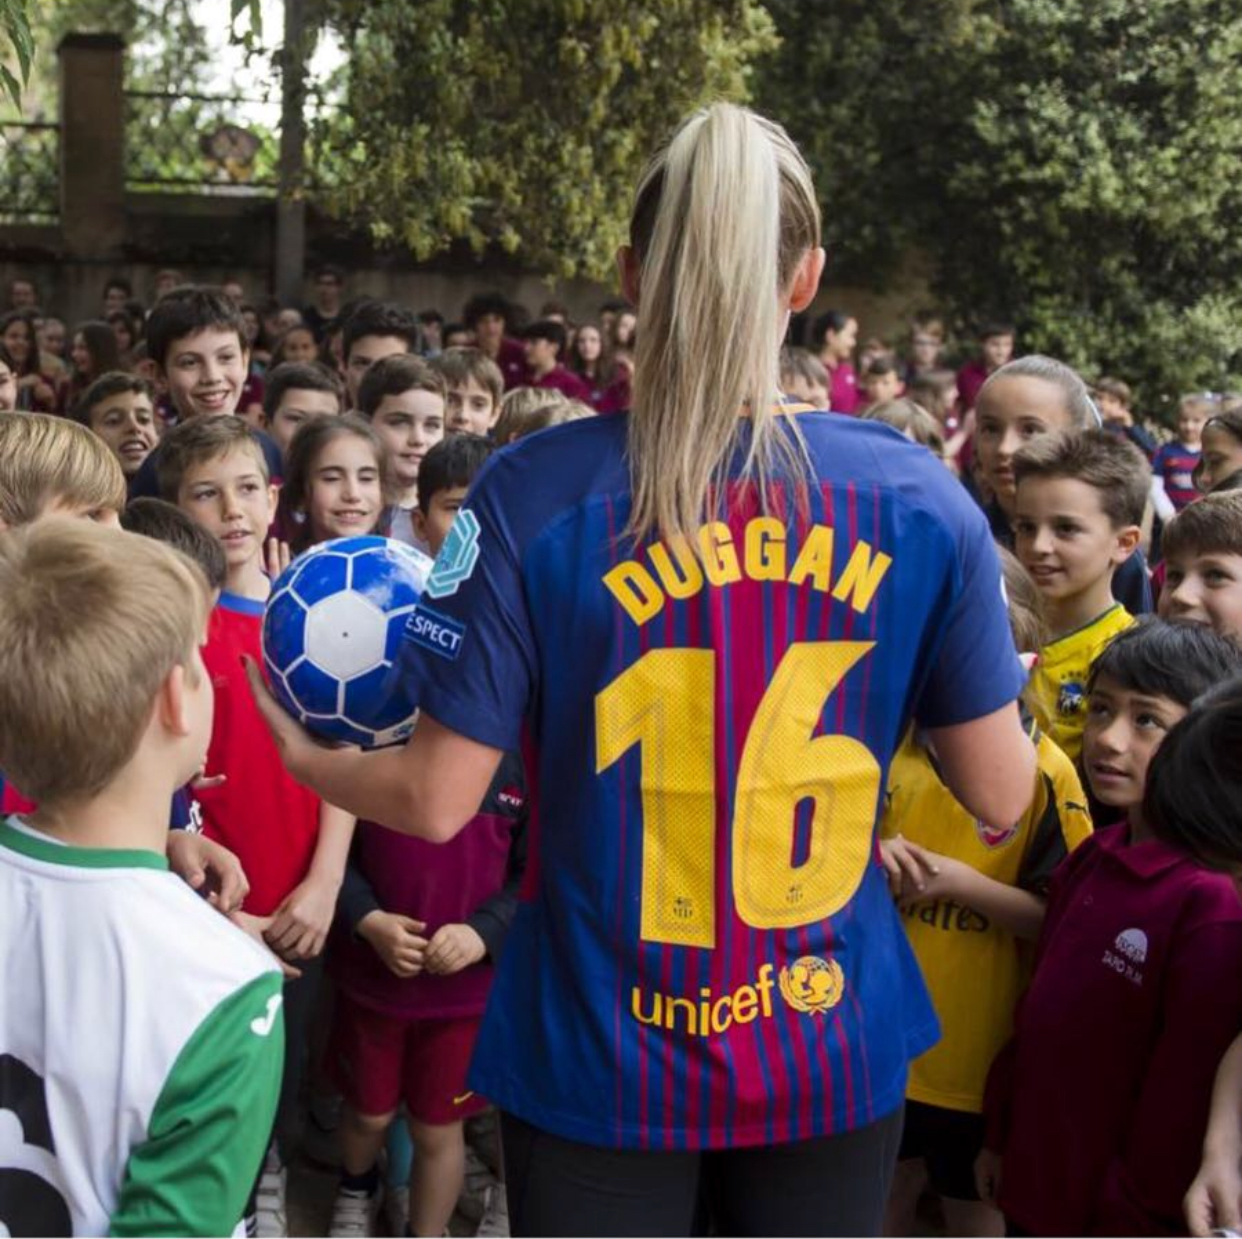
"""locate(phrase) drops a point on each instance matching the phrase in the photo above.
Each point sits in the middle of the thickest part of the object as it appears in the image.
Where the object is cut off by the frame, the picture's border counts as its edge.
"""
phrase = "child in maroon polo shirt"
(1097, 1106)
(545, 346)
(419, 929)
(1194, 799)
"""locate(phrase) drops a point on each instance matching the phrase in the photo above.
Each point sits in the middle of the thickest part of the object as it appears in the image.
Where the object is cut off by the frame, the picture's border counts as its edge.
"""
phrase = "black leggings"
(836, 1185)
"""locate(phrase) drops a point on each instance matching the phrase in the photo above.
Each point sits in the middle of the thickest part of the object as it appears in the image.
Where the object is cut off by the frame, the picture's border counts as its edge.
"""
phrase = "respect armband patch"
(435, 632)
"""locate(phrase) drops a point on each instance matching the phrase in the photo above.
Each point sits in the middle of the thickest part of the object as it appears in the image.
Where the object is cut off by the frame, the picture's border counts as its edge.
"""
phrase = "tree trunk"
(291, 205)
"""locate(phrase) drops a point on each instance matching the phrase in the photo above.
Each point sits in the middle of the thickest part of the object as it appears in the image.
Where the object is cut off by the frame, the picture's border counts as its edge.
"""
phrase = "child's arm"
(486, 928)
(357, 898)
(1201, 1008)
(300, 925)
(396, 939)
(1014, 910)
(1214, 1201)
(211, 1122)
(1160, 499)
(209, 868)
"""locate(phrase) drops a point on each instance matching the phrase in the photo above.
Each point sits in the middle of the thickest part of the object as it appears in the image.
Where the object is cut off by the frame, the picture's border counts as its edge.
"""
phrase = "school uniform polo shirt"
(1099, 1102)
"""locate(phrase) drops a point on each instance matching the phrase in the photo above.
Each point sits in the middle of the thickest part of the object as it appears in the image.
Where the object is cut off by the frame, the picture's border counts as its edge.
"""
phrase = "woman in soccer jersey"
(708, 624)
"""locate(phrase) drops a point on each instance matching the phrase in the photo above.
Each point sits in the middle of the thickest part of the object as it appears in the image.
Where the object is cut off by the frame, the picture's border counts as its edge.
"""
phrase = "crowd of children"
(1083, 978)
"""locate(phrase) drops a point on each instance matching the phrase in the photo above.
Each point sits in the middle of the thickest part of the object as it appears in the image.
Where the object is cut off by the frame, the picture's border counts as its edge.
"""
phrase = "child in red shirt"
(292, 845)
(1097, 1106)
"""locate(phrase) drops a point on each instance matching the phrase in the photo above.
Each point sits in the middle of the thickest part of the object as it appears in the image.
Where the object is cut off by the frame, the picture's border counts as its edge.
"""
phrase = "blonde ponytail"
(722, 217)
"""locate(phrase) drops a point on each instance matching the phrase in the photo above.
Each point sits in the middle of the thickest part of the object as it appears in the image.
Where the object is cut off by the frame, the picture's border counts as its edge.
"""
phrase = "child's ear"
(419, 521)
(273, 498)
(171, 703)
(495, 417)
(1128, 538)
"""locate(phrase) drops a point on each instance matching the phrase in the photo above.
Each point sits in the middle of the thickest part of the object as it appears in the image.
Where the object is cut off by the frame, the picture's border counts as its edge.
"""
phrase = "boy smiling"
(197, 338)
(1078, 504)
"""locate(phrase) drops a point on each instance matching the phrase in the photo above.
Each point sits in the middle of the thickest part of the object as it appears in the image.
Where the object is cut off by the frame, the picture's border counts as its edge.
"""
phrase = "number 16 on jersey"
(665, 703)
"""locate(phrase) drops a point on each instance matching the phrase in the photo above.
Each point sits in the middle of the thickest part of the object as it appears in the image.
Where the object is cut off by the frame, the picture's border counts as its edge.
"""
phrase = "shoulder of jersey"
(857, 450)
(213, 936)
(560, 463)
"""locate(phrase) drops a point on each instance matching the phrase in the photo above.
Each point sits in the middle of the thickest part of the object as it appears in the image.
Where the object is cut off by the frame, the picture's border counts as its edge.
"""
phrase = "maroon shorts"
(379, 1060)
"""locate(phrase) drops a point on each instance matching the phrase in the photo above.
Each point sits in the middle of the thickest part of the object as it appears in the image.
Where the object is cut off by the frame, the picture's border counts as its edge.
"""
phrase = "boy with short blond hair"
(475, 389)
(1078, 508)
(292, 845)
(1203, 565)
(141, 1033)
(52, 465)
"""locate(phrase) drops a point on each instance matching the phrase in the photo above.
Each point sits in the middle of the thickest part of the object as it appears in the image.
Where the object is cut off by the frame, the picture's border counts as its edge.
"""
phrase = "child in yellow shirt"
(1079, 507)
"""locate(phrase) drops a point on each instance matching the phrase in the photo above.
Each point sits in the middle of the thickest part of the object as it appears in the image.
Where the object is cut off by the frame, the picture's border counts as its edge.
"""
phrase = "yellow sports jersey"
(1058, 686)
(974, 970)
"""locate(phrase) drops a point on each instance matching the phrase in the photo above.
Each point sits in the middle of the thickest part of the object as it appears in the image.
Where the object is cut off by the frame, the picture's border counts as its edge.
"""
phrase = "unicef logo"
(812, 985)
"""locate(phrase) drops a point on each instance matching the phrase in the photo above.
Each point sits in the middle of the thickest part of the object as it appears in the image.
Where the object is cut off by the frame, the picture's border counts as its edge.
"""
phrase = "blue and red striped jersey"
(1175, 463)
(706, 954)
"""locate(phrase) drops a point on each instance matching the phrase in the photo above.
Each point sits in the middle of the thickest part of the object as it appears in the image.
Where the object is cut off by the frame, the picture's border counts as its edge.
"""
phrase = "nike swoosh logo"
(262, 1025)
(465, 1097)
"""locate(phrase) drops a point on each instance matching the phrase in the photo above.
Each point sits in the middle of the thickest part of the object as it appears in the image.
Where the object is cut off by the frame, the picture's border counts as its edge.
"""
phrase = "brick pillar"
(92, 143)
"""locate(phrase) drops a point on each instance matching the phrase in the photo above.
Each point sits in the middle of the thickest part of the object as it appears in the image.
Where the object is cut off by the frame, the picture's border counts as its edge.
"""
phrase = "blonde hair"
(537, 409)
(935, 391)
(1079, 406)
(914, 421)
(105, 615)
(48, 460)
(801, 363)
(722, 217)
(527, 409)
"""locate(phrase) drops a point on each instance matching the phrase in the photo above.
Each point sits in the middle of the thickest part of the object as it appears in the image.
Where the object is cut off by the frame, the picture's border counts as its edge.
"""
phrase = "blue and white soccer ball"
(331, 635)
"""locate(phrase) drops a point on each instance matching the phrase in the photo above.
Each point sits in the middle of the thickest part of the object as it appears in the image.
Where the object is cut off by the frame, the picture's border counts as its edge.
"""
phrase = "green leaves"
(1071, 163)
(15, 23)
(521, 125)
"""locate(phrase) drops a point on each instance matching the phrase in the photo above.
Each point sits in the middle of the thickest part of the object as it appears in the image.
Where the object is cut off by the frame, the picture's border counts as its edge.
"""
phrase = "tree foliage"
(522, 123)
(15, 24)
(1069, 162)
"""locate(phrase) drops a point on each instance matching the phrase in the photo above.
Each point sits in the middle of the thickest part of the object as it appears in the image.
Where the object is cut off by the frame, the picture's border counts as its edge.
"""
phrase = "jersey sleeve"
(469, 651)
(211, 1123)
(1060, 820)
(976, 669)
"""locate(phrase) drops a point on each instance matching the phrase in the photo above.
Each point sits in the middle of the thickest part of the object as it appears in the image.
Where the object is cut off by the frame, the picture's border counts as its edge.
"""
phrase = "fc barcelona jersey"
(706, 954)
